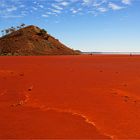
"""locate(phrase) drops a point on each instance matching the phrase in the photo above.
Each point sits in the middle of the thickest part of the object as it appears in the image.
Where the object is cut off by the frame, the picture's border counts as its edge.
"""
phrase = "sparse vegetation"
(31, 41)
(42, 32)
(12, 29)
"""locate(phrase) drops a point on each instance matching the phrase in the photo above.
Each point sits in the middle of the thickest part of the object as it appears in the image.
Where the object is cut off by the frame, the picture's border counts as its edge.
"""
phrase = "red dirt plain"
(95, 97)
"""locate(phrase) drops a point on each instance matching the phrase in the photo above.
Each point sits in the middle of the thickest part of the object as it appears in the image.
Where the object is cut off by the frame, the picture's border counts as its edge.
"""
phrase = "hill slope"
(31, 40)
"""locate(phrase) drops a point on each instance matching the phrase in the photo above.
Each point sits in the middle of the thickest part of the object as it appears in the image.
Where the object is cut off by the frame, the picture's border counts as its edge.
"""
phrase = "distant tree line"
(12, 29)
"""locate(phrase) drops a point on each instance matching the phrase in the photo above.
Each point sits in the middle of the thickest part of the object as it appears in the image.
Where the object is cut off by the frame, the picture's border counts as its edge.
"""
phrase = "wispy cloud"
(114, 6)
(12, 16)
(56, 7)
(127, 2)
(102, 9)
(12, 8)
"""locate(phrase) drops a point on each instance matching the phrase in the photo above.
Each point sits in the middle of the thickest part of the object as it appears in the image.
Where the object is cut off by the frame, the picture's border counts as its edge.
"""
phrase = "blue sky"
(88, 25)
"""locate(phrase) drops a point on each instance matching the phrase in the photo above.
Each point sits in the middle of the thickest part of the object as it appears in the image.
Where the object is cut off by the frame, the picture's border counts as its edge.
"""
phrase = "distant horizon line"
(109, 52)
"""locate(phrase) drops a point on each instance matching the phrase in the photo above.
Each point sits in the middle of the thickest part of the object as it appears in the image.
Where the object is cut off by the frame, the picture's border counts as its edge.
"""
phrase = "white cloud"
(87, 2)
(57, 7)
(35, 8)
(64, 3)
(41, 6)
(127, 2)
(102, 9)
(12, 8)
(12, 16)
(75, 10)
(114, 6)
(46, 16)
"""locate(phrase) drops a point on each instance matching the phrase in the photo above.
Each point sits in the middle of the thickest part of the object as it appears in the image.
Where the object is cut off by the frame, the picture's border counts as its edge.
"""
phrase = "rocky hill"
(32, 40)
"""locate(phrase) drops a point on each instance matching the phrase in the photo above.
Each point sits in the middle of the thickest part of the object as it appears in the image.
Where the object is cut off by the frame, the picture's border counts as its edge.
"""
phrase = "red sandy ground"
(70, 97)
